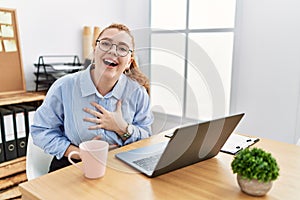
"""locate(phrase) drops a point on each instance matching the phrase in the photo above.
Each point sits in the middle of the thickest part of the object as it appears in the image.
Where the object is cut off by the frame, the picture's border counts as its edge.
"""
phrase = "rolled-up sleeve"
(47, 129)
(143, 116)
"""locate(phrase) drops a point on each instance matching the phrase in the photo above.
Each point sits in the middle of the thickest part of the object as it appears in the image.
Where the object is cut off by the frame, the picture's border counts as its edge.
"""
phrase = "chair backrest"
(37, 161)
(298, 143)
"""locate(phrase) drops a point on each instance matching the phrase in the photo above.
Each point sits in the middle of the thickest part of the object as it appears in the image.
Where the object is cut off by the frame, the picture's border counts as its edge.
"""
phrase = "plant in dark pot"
(256, 169)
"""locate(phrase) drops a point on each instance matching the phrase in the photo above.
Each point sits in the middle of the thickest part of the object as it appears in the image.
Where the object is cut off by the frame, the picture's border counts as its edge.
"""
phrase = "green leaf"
(255, 163)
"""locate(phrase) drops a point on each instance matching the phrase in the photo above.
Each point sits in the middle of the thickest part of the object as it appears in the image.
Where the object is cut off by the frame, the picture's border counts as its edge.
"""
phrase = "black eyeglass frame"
(112, 44)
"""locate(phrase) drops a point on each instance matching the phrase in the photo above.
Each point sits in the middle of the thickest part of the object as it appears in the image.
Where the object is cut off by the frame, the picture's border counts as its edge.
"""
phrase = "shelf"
(21, 98)
(12, 173)
(11, 167)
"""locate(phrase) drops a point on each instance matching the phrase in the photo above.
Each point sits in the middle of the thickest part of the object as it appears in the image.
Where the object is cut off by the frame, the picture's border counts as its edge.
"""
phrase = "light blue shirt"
(58, 122)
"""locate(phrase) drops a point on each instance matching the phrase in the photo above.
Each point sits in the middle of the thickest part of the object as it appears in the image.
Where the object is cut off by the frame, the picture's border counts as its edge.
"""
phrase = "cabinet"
(51, 67)
(13, 172)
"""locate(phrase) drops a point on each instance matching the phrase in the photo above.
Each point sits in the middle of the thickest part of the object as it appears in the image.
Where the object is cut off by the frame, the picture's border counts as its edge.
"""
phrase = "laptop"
(188, 145)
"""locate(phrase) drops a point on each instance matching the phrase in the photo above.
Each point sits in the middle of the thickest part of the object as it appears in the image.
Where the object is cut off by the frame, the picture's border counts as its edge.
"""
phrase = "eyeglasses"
(106, 45)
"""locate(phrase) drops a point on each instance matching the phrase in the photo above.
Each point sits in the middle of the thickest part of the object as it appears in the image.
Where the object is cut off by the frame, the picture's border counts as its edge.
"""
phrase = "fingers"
(112, 146)
(105, 119)
(92, 120)
(95, 127)
(93, 112)
(99, 107)
(97, 137)
(119, 106)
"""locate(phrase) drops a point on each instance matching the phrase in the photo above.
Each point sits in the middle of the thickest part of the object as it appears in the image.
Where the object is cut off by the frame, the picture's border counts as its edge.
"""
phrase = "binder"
(29, 112)
(8, 135)
(2, 158)
(19, 129)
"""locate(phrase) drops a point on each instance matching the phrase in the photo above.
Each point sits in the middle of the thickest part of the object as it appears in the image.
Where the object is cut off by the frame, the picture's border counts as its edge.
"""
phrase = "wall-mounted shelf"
(21, 98)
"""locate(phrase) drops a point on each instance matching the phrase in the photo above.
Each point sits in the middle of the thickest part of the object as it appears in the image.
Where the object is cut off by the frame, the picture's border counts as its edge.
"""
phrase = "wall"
(266, 72)
(55, 27)
(266, 68)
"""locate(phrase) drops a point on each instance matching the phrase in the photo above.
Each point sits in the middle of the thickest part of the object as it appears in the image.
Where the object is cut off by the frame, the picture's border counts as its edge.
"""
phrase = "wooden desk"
(210, 179)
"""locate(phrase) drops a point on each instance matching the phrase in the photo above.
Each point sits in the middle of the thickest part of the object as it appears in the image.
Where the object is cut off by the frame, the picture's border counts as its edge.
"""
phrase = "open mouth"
(110, 62)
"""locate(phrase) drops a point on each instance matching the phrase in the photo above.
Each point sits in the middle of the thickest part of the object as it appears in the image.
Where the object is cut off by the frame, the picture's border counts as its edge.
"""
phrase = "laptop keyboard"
(148, 163)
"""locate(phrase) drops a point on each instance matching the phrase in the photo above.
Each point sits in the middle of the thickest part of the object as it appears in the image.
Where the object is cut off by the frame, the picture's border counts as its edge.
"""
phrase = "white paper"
(10, 45)
(9, 127)
(5, 17)
(30, 117)
(236, 142)
(7, 31)
(66, 67)
(21, 131)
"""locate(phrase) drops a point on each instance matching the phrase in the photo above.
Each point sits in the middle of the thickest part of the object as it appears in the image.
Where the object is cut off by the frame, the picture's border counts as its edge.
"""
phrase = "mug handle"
(71, 161)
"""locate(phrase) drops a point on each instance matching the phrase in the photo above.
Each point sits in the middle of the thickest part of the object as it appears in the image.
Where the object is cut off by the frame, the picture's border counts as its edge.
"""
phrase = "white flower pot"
(254, 187)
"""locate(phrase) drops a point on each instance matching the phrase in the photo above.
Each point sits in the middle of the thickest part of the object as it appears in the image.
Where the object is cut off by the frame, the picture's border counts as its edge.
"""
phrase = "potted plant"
(256, 169)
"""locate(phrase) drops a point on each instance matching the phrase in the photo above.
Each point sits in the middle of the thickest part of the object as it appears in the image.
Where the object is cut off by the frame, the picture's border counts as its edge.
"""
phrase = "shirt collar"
(86, 84)
(88, 88)
(120, 87)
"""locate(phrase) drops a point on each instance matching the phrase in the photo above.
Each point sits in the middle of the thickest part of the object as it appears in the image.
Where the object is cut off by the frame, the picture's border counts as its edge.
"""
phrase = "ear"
(129, 63)
(131, 60)
(92, 54)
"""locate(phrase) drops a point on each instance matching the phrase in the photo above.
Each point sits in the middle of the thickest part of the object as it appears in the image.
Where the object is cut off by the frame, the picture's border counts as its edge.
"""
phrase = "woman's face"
(108, 62)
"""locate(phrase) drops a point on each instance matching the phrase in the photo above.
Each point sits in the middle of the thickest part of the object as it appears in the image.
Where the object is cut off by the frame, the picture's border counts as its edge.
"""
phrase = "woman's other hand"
(111, 146)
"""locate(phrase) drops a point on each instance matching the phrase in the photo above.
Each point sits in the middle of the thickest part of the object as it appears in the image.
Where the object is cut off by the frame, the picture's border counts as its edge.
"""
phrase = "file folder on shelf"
(19, 129)
(29, 114)
(8, 135)
(2, 158)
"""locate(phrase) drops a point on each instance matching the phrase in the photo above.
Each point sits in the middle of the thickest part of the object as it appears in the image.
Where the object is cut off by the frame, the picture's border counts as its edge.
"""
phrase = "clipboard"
(236, 143)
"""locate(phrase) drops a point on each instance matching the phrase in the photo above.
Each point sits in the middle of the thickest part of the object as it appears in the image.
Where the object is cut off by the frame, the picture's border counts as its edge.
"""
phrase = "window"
(191, 57)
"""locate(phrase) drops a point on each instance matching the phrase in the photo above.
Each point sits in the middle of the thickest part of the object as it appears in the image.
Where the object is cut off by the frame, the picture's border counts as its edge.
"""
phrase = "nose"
(113, 49)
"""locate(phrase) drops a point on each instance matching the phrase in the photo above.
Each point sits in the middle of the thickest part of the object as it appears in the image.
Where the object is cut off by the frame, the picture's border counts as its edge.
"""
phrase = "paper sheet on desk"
(236, 142)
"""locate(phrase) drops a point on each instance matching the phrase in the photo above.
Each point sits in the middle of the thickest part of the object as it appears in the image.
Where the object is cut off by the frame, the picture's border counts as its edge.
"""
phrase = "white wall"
(266, 76)
(266, 65)
(55, 27)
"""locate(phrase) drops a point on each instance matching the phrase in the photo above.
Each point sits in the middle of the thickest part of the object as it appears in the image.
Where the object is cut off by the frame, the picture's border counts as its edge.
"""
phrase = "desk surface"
(210, 179)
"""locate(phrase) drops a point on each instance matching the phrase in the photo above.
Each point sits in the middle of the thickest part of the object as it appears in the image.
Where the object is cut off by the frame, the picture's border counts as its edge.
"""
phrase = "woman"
(108, 101)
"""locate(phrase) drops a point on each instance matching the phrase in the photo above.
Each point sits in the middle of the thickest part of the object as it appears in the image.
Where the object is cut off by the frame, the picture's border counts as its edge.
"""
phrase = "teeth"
(109, 62)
